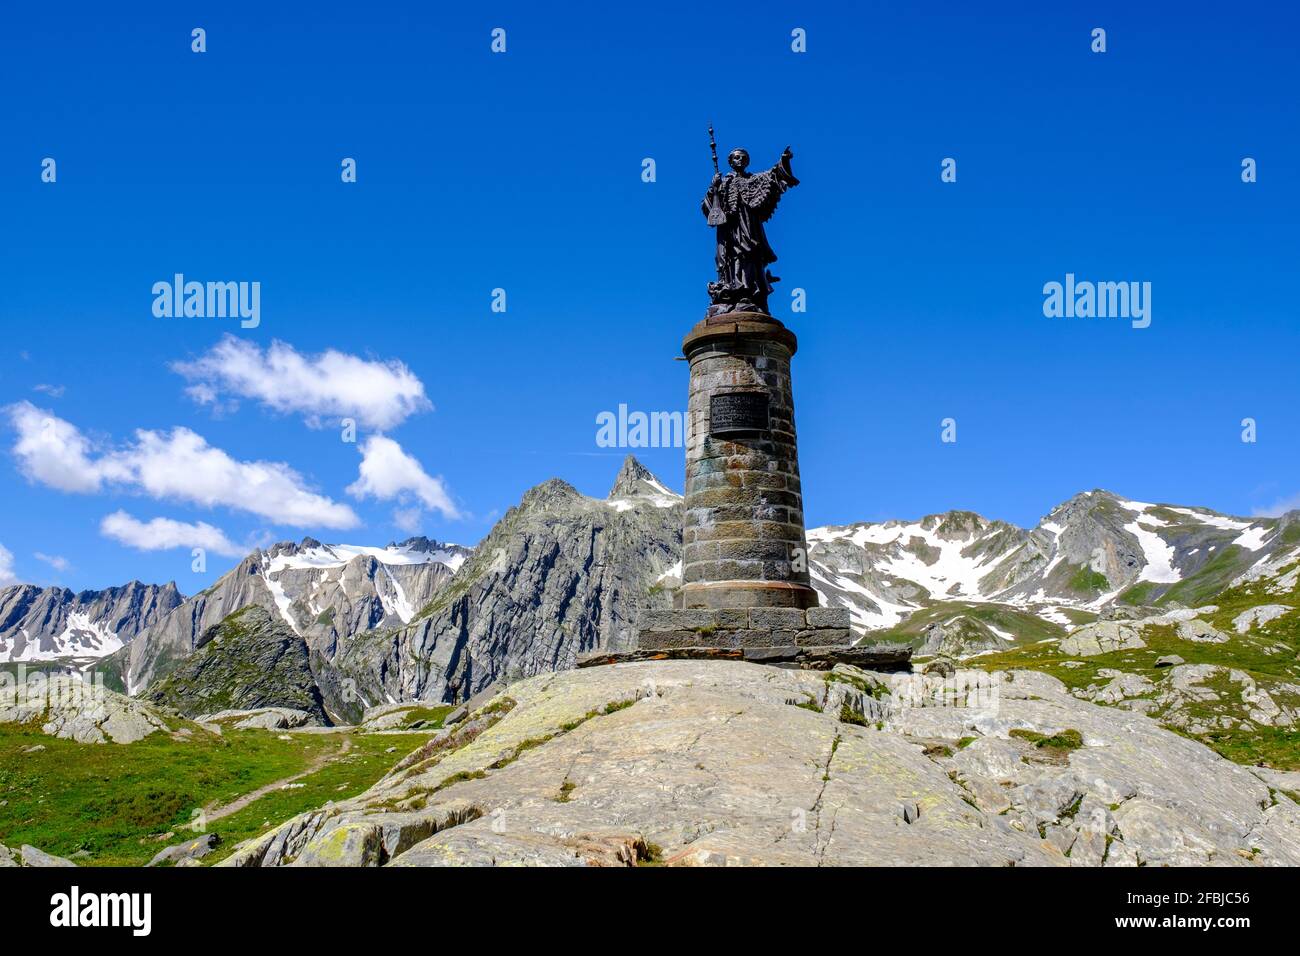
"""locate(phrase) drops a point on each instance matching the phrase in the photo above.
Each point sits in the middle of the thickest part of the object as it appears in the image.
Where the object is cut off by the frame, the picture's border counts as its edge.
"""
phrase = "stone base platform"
(877, 657)
(744, 627)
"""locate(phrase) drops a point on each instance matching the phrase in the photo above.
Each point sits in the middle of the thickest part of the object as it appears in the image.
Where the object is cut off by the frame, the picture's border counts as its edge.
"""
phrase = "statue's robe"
(743, 253)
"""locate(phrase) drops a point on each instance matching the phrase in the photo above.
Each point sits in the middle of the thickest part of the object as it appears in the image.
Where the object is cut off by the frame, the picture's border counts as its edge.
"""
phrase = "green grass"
(112, 801)
(337, 780)
(1138, 594)
(1078, 616)
(850, 716)
(1087, 581)
(1066, 740)
(1211, 579)
(1274, 747)
(1022, 625)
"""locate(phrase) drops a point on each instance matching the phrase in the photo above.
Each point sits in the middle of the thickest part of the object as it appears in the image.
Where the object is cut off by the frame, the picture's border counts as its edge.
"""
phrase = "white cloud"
(1279, 507)
(178, 465)
(388, 473)
(182, 466)
(7, 575)
(54, 391)
(334, 385)
(162, 534)
(51, 451)
(57, 562)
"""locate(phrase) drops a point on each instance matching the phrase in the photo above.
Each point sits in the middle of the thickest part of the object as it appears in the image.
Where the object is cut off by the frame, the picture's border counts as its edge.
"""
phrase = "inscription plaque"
(737, 413)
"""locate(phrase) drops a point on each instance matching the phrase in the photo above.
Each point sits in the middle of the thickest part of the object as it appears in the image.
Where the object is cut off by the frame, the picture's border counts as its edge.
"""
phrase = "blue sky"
(522, 171)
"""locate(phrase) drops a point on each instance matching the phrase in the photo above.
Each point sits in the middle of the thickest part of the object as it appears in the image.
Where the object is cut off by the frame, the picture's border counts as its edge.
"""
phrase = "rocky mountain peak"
(249, 660)
(417, 543)
(955, 524)
(635, 480)
(629, 479)
(556, 491)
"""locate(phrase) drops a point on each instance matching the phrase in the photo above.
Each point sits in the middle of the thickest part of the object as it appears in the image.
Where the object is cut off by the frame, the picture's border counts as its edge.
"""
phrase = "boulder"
(182, 854)
(1200, 632)
(1102, 637)
(35, 857)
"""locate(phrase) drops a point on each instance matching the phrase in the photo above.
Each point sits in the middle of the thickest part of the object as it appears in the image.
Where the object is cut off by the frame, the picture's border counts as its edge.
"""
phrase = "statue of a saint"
(737, 205)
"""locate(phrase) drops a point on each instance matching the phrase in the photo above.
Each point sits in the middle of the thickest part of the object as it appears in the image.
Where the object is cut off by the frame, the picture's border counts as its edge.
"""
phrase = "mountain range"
(562, 573)
(55, 624)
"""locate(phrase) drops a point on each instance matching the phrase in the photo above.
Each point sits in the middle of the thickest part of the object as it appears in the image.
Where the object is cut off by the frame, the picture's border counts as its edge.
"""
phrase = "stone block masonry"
(745, 588)
(743, 534)
(743, 628)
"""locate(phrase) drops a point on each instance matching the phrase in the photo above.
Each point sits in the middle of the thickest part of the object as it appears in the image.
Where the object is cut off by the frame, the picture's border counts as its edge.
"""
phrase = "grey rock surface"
(34, 857)
(722, 763)
(1200, 632)
(1260, 614)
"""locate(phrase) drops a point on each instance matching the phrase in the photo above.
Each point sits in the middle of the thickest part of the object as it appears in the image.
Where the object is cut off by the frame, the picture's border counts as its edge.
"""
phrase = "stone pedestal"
(744, 563)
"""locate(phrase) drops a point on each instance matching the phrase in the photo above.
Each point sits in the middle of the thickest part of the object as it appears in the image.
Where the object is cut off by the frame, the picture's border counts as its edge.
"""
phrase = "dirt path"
(234, 806)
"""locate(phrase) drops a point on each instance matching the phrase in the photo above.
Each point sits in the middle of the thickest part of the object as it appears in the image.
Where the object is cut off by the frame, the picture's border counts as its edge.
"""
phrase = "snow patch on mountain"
(1159, 554)
(1252, 539)
(337, 555)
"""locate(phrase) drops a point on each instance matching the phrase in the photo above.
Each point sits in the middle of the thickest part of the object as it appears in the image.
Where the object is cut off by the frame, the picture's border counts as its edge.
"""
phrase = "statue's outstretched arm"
(782, 168)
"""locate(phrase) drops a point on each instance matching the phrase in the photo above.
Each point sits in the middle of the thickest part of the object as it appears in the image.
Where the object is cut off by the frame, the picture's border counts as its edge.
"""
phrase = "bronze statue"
(737, 205)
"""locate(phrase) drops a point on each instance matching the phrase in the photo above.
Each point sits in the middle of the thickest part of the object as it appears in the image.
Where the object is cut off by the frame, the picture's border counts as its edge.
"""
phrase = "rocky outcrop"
(250, 661)
(1103, 637)
(1256, 616)
(45, 624)
(1200, 632)
(73, 709)
(559, 575)
(1200, 698)
(261, 718)
(717, 763)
